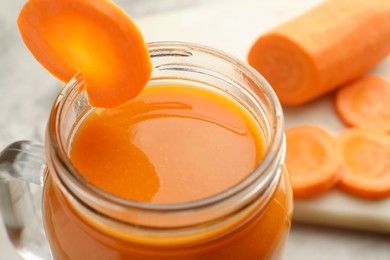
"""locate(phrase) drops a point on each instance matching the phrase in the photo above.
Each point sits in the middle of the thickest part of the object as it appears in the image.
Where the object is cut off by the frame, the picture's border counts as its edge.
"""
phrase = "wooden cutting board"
(233, 27)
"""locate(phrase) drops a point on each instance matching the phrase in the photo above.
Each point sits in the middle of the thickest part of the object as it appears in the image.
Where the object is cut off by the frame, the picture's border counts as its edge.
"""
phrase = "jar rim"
(59, 155)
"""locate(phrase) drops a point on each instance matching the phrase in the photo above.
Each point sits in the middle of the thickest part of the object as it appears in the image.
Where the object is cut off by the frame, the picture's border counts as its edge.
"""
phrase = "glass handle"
(22, 164)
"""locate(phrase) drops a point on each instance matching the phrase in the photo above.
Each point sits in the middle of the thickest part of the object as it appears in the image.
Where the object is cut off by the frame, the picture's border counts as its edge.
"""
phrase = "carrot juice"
(171, 144)
(186, 170)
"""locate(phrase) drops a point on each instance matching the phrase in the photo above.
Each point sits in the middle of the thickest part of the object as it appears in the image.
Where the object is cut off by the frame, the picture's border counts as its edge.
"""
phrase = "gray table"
(27, 92)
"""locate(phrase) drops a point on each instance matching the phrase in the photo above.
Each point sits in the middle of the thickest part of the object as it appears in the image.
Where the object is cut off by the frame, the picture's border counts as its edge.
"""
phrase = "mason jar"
(250, 220)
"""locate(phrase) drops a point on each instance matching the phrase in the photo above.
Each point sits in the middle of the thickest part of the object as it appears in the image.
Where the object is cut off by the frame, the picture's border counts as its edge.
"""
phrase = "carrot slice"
(365, 162)
(312, 160)
(94, 37)
(322, 49)
(365, 102)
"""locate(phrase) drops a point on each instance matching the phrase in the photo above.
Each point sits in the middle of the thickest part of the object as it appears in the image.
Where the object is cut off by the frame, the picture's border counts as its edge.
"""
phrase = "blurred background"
(27, 91)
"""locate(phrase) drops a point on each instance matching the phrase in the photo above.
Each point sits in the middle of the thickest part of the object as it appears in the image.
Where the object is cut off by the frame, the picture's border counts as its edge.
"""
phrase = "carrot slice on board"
(94, 37)
(312, 160)
(365, 164)
(365, 102)
(323, 48)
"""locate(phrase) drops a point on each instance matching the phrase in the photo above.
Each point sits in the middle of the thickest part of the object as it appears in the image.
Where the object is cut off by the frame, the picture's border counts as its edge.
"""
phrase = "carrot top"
(94, 37)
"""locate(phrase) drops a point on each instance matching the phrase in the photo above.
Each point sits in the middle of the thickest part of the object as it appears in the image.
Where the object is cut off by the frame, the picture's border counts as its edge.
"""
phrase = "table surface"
(27, 92)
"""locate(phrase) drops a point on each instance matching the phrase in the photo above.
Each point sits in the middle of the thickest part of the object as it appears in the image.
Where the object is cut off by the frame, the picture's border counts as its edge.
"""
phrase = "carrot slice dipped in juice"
(94, 37)
(322, 49)
(312, 160)
(365, 164)
(365, 102)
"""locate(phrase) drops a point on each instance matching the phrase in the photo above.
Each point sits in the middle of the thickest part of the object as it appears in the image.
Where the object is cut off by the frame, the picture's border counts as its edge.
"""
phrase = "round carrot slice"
(312, 160)
(365, 102)
(365, 162)
(94, 37)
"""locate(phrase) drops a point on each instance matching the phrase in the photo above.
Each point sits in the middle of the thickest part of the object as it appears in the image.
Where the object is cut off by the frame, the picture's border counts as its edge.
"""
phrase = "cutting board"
(233, 27)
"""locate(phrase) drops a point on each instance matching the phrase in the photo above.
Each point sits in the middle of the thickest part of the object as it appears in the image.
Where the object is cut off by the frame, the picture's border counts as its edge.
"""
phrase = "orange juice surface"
(171, 144)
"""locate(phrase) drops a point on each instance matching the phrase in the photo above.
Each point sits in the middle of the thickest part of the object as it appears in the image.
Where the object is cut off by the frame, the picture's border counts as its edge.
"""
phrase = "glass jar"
(251, 220)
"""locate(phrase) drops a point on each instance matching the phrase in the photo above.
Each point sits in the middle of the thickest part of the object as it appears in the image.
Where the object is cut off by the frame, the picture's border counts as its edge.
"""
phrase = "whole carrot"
(324, 48)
